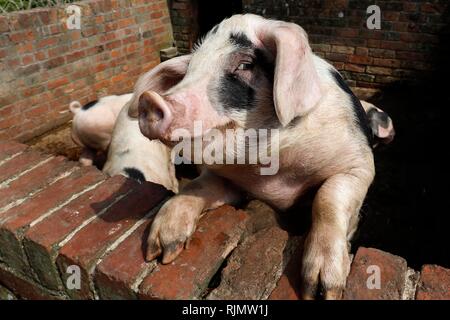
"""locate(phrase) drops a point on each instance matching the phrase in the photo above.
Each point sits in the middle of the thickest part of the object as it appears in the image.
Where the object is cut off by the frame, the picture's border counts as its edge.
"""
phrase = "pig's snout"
(155, 115)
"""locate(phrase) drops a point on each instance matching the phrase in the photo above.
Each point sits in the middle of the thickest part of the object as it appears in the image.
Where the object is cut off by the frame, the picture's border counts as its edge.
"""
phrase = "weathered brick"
(20, 163)
(343, 49)
(5, 294)
(255, 266)
(288, 286)
(360, 59)
(379, 70)
(434, 283)
(367, 262)
(26, 288)
(42, 241)
(10, 148)
(15, 221)
(89, 244)
(34, 180)
(217, 235)
(118, 272)
(354, 67)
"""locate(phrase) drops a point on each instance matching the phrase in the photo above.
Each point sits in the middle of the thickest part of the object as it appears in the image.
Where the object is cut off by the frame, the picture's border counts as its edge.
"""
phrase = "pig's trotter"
(177, 219)
(87, 157)
(326, 261)
(173, 225)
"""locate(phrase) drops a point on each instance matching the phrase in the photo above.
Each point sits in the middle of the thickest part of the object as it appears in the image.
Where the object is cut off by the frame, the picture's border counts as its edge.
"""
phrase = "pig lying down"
(133, 155)
(103, 126)
(93, 124)
(251, 72)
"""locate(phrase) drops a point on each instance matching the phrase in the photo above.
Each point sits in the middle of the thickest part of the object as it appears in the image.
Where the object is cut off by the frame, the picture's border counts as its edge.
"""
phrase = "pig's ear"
(160, 79)
(296, 87)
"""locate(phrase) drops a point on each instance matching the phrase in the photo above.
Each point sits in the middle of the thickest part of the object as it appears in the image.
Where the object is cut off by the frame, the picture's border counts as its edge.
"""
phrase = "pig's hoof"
(325, 267)
(173, 226)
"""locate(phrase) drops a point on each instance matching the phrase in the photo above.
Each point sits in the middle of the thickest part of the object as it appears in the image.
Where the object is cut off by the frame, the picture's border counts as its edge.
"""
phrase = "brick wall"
(407, 46)
(57, 217)
(43, 65)
(185, 28)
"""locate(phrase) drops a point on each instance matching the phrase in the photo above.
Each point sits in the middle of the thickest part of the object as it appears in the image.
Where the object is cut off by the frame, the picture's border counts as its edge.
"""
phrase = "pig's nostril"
(156, 114)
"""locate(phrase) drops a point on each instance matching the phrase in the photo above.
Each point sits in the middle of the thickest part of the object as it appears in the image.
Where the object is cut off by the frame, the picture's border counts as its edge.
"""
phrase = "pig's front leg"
(87, 157)
(176, 220)
(335, 212)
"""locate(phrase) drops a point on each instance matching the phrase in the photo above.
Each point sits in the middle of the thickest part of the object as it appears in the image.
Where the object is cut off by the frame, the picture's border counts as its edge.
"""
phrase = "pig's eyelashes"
(245, 66)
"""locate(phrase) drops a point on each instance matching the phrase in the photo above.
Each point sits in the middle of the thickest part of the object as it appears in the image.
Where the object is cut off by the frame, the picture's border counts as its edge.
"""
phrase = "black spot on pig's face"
(240, 40)
(245, 84)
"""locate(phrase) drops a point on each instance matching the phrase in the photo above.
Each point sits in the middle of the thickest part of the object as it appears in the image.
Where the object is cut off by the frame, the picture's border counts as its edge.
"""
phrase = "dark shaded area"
(406, 209)
(211, 13)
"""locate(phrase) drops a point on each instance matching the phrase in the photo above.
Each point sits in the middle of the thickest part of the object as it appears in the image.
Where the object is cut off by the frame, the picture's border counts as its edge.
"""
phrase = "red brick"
(47, 42)
(360, 59)
(57, 83)
(26, 288)
(354, 67)
(434, 283)
(28, 59)
(362, 51)
(22, 162)
(332, 56)
(75, 56)
(343, 49)
(15, 221)
(217, 234)
(34, 180)
(390, 16)
(254, 267)
(381, 53)
(288, 286)
(42, 241)
(392, 276)
(24, 47)
(431, 7)
(379, 70)
(392, 63)
(10, 122)
(10, 148)
(91, 242)
(117, 273)
(4, 27)
(392, 45)
(347, 32)
(20, 37)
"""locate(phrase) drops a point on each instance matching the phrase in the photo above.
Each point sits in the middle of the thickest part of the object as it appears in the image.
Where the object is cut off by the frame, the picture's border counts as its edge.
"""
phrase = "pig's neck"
(280, 190)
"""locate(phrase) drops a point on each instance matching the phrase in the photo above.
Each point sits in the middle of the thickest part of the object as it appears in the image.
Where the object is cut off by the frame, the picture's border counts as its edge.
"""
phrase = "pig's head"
(248, 72)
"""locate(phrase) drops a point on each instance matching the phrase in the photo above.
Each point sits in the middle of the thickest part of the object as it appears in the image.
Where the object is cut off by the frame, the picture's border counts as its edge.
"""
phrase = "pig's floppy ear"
(296, 88)
(160, 79)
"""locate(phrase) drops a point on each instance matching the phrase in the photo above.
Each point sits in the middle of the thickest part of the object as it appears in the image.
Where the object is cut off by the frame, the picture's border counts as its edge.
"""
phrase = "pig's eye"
(245, 66)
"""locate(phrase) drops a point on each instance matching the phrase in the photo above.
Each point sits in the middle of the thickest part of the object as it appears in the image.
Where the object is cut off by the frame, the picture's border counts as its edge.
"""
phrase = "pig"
(133, 155)
(253, 73)
(93, 124)
(380, 123)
